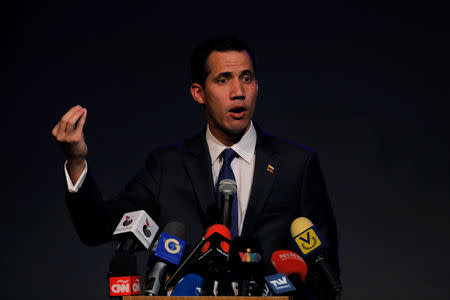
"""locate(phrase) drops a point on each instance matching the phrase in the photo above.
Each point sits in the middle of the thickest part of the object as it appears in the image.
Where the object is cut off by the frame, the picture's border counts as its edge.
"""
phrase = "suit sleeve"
(95, 219)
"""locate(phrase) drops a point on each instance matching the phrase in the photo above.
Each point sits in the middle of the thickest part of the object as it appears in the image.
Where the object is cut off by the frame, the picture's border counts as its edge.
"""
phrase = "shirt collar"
(245, 148)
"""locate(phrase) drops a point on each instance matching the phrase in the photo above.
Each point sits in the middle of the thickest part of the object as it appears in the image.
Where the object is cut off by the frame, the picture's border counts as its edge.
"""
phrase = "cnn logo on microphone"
(124, 286)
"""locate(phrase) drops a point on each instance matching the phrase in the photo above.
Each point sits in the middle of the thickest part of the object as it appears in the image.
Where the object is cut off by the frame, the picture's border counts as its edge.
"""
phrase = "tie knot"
(228, 155)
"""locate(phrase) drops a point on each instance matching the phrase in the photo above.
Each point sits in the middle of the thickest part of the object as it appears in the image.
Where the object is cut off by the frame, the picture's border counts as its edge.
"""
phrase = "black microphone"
(191, 258)
(166, 253)
(313, 250)
(212, 261)
(136, 231)
(247, 265)
(227, 188)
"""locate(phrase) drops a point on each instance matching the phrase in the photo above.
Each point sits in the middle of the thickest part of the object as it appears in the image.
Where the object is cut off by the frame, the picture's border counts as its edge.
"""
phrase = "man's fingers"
(67, 116)
(81, 122)
(64, 130)
(55, 130)
(70, 112)
(72, 121)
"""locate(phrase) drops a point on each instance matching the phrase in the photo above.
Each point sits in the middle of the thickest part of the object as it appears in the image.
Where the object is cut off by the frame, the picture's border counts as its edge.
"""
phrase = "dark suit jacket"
(176, 185)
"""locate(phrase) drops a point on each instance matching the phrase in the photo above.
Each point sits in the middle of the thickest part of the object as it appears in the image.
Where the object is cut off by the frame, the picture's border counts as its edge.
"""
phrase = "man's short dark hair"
(200, 55)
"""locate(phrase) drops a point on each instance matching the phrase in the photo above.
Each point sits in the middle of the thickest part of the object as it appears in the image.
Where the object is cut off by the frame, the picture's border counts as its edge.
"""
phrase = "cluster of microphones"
(217, 266)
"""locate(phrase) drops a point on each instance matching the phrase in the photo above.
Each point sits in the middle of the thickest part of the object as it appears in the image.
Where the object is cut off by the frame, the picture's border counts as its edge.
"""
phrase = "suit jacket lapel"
(198, 165)
(263, 178)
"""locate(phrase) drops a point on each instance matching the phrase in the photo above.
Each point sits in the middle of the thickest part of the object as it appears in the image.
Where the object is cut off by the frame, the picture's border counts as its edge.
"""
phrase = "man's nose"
(237, 91)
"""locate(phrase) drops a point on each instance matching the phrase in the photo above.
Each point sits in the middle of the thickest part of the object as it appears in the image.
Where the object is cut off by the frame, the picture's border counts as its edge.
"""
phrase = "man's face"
(229, 93)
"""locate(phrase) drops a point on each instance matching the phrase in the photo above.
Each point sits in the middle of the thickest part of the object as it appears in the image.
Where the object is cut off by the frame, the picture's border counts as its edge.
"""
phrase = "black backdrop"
(366, 85)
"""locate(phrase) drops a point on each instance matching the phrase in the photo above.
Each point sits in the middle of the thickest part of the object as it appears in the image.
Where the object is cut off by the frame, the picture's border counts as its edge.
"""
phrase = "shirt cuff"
(73, 188)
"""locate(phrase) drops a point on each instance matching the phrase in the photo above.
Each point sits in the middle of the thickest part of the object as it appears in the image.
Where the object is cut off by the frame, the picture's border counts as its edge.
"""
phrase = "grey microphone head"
(227, 186)
(176, 229)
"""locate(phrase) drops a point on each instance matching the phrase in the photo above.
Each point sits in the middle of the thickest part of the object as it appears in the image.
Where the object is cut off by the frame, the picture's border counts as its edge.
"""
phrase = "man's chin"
(238, 130)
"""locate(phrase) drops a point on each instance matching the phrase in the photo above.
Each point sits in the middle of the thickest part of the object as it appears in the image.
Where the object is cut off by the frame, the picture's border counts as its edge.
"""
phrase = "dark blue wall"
(367, 86)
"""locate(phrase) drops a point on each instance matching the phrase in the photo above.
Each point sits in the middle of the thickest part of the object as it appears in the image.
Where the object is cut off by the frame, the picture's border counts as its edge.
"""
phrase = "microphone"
(213, 256)
(247, 265)
(313, 250)
(166, 253)
(189, 285)
(227, 188)
(136, 231)
(212, 260)
(181, 269)
(291, 264)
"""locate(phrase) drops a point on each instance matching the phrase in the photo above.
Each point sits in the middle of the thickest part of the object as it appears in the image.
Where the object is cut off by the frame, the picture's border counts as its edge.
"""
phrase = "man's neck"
(245, 147)
(228, 139)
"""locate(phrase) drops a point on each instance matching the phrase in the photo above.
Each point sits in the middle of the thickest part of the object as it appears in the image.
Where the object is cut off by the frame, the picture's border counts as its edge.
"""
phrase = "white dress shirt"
(243, 166)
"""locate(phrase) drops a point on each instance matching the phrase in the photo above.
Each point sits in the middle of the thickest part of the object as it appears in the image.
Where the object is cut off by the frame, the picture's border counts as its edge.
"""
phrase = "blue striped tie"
(227, 173)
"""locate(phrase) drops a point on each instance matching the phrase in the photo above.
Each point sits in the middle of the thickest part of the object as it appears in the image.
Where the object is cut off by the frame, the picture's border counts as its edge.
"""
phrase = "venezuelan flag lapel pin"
(270, 169)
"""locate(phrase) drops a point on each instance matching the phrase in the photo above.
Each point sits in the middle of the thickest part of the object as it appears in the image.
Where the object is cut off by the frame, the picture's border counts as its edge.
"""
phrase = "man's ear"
(197, 93)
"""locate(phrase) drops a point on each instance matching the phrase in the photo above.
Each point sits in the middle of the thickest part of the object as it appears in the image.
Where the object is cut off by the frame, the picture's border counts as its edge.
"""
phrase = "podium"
(205, 298)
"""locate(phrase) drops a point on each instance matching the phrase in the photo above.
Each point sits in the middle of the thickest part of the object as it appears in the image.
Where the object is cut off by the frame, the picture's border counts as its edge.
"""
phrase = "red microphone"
(212, 233)
(212, 261)
(216, 247)
(219, 231)
(289, 263)
(219, 228)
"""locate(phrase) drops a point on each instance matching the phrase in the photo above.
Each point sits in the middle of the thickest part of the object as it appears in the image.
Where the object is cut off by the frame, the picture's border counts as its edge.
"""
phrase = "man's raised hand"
(69, 133)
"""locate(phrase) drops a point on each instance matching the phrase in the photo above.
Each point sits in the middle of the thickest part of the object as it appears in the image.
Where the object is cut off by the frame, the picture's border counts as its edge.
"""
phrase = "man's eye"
(222, 81)
(247, 79)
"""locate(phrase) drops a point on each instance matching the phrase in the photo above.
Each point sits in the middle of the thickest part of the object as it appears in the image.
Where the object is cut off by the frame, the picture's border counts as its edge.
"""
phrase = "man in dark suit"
(277, 181)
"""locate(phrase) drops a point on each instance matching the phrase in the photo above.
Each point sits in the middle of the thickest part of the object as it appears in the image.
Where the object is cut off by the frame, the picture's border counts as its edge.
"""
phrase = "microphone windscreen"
(221, 229)
(299, 225)
(176, 229)
(227, 186)
(189, 285)
(289, 262)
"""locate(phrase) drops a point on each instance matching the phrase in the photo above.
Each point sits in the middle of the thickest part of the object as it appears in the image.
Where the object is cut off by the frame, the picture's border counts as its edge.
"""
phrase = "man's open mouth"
(237, 110)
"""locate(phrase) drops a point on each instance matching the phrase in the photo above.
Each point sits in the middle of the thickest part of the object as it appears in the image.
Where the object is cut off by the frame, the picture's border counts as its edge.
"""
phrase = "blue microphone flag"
(279, 284)
(170, 248)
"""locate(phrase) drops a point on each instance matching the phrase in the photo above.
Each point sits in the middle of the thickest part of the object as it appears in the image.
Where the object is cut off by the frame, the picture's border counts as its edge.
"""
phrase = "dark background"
(366, 85)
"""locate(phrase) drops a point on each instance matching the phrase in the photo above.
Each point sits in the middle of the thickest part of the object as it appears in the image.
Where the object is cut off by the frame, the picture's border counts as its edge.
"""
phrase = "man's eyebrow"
(224, 74)
(246, 72)
(229, 74)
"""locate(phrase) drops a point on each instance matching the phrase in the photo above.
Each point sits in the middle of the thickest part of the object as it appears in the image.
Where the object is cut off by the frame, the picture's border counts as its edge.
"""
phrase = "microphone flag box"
(139, 224)
(189, 285)
(279, 284)
(309, 241)
(124, 286)
(170, 248)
